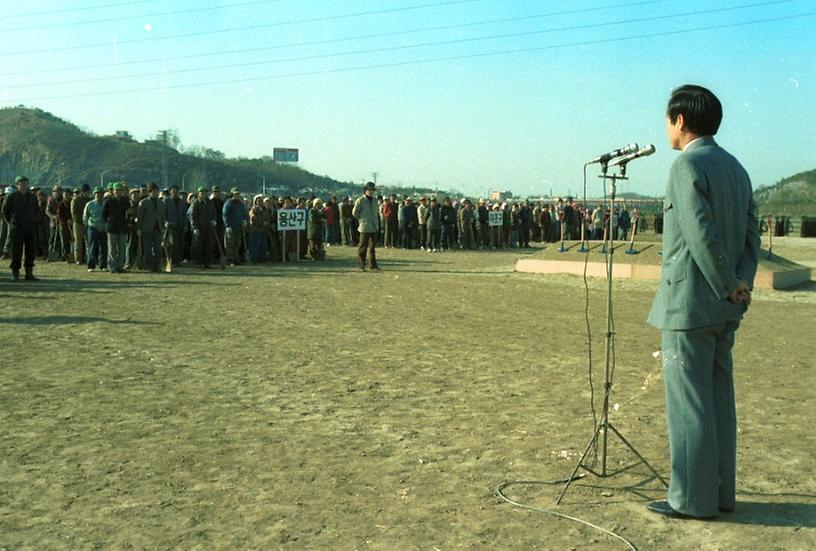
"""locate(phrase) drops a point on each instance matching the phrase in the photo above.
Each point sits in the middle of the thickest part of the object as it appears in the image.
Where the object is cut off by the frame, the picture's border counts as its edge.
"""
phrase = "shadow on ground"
(70, 320)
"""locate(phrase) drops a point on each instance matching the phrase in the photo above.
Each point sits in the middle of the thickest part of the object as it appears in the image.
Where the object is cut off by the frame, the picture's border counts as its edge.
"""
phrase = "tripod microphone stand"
(604, 426)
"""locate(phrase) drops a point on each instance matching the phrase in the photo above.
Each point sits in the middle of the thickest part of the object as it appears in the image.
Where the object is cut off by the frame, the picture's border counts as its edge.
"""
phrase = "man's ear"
(681, 121)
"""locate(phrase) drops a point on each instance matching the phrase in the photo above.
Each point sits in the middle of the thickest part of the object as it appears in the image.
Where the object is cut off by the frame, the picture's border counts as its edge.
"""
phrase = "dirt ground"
(312, 406)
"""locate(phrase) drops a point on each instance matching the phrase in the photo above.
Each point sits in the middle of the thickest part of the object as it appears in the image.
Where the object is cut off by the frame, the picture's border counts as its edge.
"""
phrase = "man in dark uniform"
(3, 223)
(218, 207)
(347, 221)
(133, 249)
(42, 222)
(203, 222)
(21, 211)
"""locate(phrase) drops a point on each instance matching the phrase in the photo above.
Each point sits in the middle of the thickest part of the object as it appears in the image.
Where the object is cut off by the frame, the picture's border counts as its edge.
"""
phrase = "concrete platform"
(773, 273)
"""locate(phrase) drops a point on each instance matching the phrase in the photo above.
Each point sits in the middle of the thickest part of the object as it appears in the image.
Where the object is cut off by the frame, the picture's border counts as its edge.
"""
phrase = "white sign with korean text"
(291, 220)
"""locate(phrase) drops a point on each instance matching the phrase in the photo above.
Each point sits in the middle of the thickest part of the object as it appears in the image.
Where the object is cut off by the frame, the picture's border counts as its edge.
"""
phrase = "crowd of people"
(120, 227)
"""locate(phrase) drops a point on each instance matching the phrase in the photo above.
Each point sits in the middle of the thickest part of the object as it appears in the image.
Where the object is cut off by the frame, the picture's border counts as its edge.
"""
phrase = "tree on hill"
(53, 151)
(791, 196)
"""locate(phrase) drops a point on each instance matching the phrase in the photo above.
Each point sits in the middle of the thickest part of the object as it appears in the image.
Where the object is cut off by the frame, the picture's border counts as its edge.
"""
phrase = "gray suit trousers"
(701, 416)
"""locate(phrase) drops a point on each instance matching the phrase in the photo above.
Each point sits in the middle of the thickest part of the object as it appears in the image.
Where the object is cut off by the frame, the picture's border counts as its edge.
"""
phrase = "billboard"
(285, 155)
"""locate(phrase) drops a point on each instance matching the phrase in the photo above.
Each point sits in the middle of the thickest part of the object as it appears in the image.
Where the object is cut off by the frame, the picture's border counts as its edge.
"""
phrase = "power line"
(251, 27)
(403, 47)
(128, 17)
(422, 61)
(343, 39)
(82, 8)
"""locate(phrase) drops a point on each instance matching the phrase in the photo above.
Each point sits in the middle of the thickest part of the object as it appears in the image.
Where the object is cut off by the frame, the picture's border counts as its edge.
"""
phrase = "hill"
(52, 151)
(791, 196)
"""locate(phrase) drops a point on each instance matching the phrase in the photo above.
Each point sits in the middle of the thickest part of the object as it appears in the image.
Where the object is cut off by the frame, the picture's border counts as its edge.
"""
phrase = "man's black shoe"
(30, 277)
(663, 508)
(15, 276)
(724, 510)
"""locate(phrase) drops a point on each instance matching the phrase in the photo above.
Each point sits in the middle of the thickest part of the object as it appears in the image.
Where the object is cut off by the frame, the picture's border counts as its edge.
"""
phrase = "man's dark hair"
(701, 110)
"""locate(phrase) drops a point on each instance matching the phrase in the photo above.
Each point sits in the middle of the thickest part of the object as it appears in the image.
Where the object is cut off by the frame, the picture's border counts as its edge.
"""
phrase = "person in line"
(21, 211)
(150, 222)
(80, 230)
(203, 222)
(114, 213)
(235, 220)
(175, 210)
(97, 237)
(316, 229)
(367, 215)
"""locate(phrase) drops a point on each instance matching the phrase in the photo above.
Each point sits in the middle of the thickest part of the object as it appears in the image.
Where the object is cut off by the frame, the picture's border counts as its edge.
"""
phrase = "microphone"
(643, 152)
(631, 148)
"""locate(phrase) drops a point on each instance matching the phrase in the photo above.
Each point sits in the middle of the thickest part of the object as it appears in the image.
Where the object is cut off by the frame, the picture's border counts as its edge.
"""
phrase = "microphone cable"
(589, 329)
(500, 489)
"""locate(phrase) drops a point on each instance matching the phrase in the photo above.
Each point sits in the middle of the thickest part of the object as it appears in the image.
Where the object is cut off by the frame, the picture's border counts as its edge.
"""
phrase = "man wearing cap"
(97, 238)
(202, 220)
(422, 223)
(21, 211)
(133, 250)
(525, 222)
(54, 250)
(42, 221)
(235, 220)
(333, 226)
(115, 213)
(448, 216)
(366, 212)
(218, 207)
(465, 218)
(346, 221)
(410, 221)
(483, 219)
(80, 230)
(150, 219)
(3, 223)
(434, 226)
(315, 230)
(175, 210)
(389, 215)
(61, 219)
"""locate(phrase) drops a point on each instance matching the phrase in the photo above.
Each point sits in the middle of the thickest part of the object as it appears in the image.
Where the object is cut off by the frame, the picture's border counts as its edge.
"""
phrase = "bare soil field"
(312, 406)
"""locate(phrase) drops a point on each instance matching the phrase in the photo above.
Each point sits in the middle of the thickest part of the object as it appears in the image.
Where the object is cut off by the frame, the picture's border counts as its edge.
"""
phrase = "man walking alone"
(366, 212)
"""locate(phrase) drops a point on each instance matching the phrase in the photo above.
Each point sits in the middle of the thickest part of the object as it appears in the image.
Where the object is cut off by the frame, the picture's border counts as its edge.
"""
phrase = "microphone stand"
(604, 426)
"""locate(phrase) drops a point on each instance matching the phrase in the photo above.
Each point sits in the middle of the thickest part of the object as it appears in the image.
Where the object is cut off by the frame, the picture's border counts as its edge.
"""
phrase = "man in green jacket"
(367, 214)
(710, 249)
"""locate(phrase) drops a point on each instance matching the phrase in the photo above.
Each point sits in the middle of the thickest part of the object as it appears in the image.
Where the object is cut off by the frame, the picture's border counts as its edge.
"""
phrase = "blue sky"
(471, 94)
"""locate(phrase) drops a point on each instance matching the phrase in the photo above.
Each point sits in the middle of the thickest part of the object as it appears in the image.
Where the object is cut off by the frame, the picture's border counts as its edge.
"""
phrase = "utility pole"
(374, 175)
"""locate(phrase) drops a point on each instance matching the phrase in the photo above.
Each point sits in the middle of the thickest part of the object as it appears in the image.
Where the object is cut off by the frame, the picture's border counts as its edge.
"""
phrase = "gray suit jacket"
(150, 217)
(710, 239)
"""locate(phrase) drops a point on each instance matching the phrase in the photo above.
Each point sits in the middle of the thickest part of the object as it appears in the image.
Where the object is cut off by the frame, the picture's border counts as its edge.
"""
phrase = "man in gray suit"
(710, 249)
(150, 219)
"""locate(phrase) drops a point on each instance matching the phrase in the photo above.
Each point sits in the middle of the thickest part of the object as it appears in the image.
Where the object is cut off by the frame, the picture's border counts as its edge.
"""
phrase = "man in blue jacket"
(710, 248)
(235, 220)
(175, 209)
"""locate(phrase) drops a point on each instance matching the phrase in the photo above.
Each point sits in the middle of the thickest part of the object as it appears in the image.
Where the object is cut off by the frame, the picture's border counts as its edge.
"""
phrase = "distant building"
(124, 134)
(499, 196)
